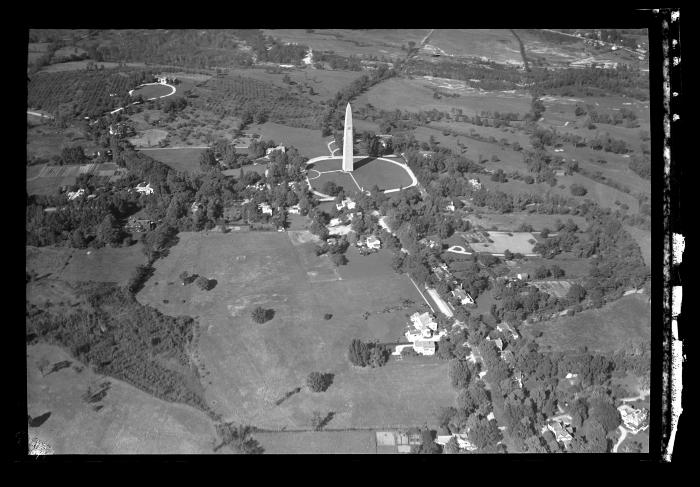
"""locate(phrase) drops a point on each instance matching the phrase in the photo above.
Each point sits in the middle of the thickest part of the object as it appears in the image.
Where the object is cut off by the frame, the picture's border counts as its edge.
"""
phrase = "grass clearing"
(318, 442)
(127, 420)
(367, 172)
(624, 321)
(308, 142)
(246, 367)
(152, 91)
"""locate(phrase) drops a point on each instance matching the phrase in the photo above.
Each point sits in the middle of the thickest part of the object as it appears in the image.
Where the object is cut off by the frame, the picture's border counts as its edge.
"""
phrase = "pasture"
(643, 239)
(509, 222)
(125, 421)
(246, 367)
(149, 138)
(615, 325)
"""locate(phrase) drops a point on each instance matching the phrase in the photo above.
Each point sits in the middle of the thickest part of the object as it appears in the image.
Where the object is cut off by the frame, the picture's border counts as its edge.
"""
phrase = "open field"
(509, 222)
(308, 142)
(246, 367)
(318, 442)
(184, 160)
(516, 242)
(149, 138)
(610, 328)
(125, 421)
(102, 265)
(417, 94)
(46, 141)
(258, 168)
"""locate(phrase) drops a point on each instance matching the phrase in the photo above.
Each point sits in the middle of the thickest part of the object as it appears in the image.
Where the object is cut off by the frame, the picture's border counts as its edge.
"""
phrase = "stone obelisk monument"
(347, 140)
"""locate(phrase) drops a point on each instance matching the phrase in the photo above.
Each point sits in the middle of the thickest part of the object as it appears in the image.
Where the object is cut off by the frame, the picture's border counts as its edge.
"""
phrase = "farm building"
(294, 210)
(635, 420)
(279, 148)
(265, 208)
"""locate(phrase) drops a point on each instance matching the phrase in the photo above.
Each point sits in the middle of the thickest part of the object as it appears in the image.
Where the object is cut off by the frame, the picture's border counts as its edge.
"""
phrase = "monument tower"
(347, 140)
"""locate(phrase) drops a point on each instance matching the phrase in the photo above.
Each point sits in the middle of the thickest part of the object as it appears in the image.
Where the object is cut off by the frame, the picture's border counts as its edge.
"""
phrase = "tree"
(109, 232)
(576, 293)
(459, 374)
(238, 438)
(319, 382)
(378, 355)
(338, 259)
(358, 353)
(484, 433)
(452, 446)
(261, 315)
(317, 420)
(578, 190)
(203, 283)
(606, 414)
(207, 160)
(556, 271)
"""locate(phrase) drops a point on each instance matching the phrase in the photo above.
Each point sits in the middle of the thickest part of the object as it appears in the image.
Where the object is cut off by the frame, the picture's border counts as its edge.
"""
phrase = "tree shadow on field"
(39, 420)
(213, 283)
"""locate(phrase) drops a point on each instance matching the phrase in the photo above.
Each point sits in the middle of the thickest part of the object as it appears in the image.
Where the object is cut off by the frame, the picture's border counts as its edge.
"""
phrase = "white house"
(560, 432)
(450, 206)
(295, 210)
(265, 208)
(144, 188)
(475, 184)
(463, 296)
(335, 222)
(75, 194)
(346, 203)
(373, 242)
(270, 150)
(504, 327)
(635, 420)
(523, 276)
(423, 320)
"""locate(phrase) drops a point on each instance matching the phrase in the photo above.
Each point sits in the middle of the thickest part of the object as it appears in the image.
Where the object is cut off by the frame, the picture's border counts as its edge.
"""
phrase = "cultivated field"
(610, 328)
(318, 442)
(247, 367)
(417, 94)
(184, 160)
(125, 421)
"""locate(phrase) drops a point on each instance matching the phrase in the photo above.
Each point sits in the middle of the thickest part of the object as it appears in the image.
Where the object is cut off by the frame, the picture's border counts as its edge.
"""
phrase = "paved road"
(29, 112)
(623, 435)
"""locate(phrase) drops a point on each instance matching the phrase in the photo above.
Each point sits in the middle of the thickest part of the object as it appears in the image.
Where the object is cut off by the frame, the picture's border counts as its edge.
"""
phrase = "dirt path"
(623, 435)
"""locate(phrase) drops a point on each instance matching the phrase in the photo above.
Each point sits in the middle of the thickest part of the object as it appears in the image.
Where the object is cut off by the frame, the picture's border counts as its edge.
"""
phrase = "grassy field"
(46, 141)
(511, 221)
(102, 265)
(246, 367)
(607, 329)
(339, 178)
(125, 421)
(643, 239)
(179, 159)
(149, 138)
(517, 242)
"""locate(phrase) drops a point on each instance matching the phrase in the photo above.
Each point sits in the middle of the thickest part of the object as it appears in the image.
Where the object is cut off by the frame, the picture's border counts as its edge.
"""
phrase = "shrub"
(319, 382)
(578, 190)
(203, 283)
(261, 315)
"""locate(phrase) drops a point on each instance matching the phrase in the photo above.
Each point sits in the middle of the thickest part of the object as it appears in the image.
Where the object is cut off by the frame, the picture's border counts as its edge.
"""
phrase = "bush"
(261, 315)
(339, 259)
(203, 283)
(319, 382)
(327, 316)
(358, 353)
(578, 190)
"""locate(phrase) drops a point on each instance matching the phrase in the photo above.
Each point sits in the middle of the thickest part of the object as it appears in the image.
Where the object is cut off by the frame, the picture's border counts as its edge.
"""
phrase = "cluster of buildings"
(139, 225)
(635, 420)
(143, 188)
(423, 333)
(371, 242)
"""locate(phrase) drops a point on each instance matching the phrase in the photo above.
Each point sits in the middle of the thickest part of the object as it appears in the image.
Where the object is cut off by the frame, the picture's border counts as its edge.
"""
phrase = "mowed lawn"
(322, 442)
(309, 143)
(184, 160)
(367, 172)
(246, 367)
(624, 321)
(129, 421)
(152, 91)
